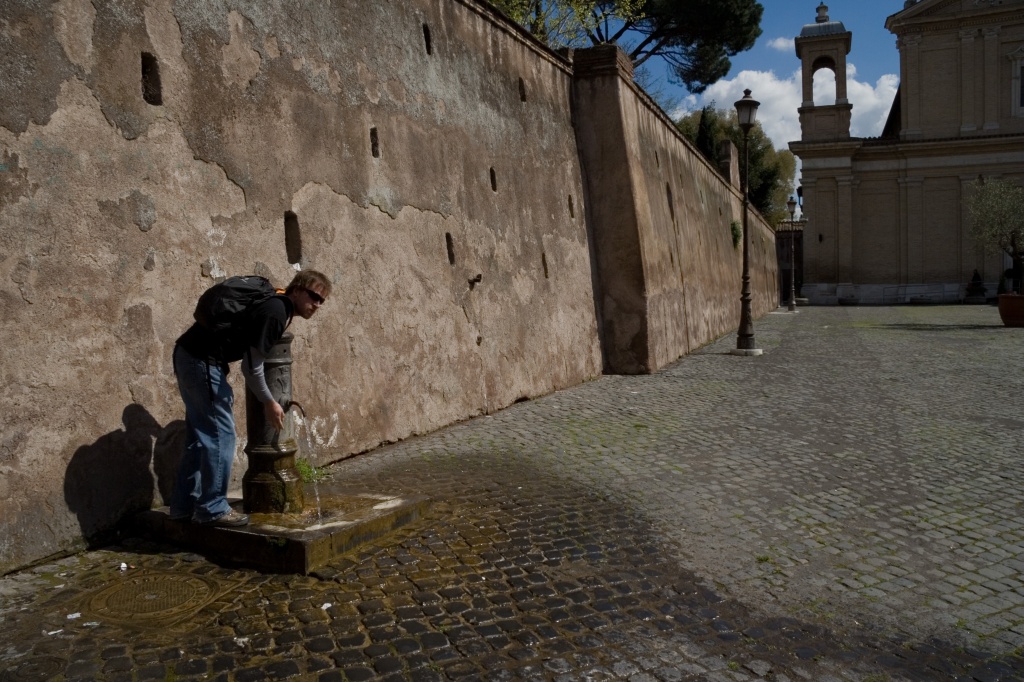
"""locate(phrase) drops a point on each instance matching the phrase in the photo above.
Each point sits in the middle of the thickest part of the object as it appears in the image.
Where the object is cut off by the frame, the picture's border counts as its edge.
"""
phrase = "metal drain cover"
(35, 670)
(153, 599)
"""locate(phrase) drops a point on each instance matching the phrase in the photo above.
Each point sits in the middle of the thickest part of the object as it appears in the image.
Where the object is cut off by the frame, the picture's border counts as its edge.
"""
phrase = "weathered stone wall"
(668, 272)
(420, 153)
(117, 213)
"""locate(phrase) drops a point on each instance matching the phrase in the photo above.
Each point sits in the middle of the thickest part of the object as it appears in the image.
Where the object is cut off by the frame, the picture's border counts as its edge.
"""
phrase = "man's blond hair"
(307, 279)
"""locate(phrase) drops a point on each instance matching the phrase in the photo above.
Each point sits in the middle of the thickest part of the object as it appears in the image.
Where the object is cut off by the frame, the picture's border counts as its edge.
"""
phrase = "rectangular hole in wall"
(451, 247)
(426, 39)
(292, 238)
(374, 143)
(152, 92)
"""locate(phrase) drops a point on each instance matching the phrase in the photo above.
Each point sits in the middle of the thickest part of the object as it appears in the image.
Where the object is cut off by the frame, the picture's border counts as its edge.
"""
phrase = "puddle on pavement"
(332, 508)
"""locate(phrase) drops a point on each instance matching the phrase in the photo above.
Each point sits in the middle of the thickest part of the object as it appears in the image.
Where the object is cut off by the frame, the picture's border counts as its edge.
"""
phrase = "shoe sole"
(234, 522)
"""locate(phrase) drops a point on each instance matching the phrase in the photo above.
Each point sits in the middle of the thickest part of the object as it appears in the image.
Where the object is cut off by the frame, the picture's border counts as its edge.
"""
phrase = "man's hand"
(274, 414)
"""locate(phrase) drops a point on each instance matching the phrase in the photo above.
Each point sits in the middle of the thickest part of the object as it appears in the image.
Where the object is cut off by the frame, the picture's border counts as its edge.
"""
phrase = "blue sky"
(772, 71)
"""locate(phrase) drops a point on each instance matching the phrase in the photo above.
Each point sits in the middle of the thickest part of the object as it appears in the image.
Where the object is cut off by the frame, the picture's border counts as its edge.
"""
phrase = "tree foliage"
(709, 132)
(695, 37)
(770, 183)
(996, 208)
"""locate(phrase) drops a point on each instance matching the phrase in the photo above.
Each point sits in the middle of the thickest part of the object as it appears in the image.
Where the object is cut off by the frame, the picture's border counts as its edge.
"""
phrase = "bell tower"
(824, 45)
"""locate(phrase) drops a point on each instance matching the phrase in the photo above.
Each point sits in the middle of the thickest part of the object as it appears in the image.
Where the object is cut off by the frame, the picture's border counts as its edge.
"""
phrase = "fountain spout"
(295, 404)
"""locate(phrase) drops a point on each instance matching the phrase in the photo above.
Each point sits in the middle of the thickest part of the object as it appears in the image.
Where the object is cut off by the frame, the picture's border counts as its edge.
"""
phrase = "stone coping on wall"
(576, 61)
(602, 62)
(498, 18)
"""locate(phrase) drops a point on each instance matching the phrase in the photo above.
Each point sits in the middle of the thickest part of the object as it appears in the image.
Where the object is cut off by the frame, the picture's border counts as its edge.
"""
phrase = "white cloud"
(780, 99)
(825, 87)
(871, 104)
(781, 44)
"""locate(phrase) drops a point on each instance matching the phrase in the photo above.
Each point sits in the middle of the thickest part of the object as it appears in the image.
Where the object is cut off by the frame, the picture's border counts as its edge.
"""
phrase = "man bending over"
(201, 361)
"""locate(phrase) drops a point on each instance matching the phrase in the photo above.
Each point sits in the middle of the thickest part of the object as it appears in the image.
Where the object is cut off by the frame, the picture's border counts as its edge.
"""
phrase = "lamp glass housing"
(746, 111)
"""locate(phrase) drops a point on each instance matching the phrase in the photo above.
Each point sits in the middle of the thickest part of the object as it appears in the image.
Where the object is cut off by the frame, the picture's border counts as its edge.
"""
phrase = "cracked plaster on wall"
(80, 147)
(381, 197)
(240, 63)
(164, 35)
(412, 325)
(72, 23)
(397, 268)
(320, 76)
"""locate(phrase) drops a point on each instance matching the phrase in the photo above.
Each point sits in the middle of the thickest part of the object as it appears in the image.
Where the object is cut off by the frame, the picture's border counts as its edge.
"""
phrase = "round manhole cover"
(152, 599)
(35, 670)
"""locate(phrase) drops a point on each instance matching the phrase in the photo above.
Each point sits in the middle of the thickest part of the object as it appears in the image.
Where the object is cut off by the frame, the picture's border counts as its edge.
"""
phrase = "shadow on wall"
(112, 478)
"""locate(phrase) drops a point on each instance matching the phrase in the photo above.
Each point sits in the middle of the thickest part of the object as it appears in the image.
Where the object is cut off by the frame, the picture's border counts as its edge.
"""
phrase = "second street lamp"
(791, 205)
(746, 110)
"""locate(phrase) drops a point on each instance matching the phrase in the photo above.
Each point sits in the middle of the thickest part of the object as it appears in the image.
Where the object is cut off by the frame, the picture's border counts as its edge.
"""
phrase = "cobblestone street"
(845, 507)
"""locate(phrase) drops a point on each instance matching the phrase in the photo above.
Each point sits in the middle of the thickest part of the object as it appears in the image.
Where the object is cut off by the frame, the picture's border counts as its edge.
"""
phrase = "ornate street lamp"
(791, 205)
(746, 110)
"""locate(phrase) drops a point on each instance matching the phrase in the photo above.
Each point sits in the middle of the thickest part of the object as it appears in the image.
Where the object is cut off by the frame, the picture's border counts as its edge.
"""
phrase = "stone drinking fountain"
(272, 483)
(286, 535)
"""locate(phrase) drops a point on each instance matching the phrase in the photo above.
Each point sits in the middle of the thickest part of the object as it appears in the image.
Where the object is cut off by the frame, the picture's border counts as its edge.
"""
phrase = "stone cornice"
(843, 148)
(944, 142)
(973, 20)
(800, 42)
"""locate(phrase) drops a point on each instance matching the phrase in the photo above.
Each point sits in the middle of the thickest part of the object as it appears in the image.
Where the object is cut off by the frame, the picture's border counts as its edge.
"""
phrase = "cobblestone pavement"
(845, 507)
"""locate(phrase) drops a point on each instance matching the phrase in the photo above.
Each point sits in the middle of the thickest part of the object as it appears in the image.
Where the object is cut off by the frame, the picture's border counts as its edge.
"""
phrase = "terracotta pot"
(1011, 309)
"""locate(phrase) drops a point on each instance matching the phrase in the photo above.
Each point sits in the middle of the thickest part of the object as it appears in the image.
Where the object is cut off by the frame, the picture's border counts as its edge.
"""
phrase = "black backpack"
(223, 305)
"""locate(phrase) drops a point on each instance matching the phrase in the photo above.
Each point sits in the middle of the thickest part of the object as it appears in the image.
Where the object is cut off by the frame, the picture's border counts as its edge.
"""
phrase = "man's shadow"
(111, 479)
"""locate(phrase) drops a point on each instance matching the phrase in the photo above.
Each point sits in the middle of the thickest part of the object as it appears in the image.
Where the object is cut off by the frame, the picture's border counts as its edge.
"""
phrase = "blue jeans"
(201, 486)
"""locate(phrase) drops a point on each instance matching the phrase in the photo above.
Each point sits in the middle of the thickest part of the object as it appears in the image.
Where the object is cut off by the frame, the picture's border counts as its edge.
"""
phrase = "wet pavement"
(845, 507)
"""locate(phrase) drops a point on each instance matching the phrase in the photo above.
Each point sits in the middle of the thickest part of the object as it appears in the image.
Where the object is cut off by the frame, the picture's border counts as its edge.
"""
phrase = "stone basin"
(297, 542)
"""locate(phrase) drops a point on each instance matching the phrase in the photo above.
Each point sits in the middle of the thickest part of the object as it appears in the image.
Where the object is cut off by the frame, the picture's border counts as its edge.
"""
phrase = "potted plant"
(996, 209)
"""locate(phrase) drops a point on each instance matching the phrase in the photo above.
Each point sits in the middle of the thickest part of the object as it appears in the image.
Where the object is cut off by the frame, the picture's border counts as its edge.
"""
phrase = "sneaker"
(230, 520)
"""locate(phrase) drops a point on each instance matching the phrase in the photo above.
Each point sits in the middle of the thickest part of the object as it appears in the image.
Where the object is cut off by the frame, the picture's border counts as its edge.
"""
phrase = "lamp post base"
(746, 351)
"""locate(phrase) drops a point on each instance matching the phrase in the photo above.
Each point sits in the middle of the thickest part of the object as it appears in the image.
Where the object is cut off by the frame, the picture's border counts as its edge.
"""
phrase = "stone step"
(291, 543)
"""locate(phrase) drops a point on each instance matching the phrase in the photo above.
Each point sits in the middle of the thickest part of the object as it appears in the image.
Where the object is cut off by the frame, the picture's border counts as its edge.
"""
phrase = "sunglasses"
(317, 298)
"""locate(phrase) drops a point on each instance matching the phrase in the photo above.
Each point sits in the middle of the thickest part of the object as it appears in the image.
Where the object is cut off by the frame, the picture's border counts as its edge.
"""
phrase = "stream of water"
(304, 437)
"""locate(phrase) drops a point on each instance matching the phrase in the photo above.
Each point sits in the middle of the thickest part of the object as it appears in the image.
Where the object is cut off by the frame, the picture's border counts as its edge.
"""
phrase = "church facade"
(887, 217)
